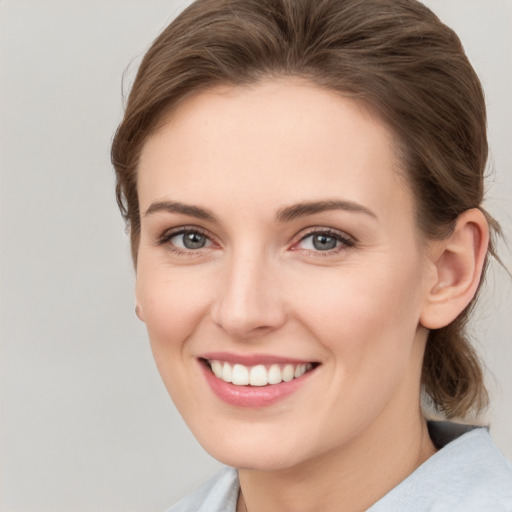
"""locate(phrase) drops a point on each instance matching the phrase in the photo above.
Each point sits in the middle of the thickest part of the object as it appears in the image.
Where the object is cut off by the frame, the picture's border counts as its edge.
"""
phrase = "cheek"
(367, 316)
(367, 322)
(173, 304)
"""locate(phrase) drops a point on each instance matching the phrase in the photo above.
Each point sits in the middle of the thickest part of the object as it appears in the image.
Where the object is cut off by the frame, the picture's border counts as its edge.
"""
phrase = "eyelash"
(345, 241)
(167, 236)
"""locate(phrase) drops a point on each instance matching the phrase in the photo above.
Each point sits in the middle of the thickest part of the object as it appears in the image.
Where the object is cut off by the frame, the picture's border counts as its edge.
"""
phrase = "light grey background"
(86, 424)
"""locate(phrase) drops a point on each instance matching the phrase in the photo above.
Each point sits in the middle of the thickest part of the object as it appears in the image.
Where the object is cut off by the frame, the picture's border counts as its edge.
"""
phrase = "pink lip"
(251, 396)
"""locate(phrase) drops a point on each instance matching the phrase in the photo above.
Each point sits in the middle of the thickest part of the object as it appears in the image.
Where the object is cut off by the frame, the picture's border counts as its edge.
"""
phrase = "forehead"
(282, 139)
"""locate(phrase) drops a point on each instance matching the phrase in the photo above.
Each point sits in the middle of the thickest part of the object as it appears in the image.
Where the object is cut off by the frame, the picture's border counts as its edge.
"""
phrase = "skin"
(354, 429)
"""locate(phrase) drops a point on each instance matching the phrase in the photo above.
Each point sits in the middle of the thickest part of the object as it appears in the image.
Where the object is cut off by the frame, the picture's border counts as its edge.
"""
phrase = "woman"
(303, 183)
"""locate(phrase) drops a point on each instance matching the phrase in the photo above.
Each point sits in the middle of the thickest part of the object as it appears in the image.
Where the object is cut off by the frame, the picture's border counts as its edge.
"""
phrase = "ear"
(138, 312)
(457, 264)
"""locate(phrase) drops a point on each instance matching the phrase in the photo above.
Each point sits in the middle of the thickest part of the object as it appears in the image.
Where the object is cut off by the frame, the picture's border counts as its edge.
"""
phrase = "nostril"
(245, 332)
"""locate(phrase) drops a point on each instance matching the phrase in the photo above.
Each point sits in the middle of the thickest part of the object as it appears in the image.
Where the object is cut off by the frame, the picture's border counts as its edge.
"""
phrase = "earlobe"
(458, 263)
(138, 312)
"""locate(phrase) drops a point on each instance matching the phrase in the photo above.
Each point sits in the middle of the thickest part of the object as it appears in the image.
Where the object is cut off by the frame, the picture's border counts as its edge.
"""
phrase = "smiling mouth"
(258, 375)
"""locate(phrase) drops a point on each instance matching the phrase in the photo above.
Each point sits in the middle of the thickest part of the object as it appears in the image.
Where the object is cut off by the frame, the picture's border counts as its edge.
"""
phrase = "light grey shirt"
(467, 474)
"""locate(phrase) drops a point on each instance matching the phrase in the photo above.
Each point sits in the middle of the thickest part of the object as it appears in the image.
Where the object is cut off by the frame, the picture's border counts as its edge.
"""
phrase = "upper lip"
(252, 359)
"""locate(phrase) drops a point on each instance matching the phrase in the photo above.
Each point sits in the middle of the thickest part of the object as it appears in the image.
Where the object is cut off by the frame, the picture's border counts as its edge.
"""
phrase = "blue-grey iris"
(194, 240)
(324, 242)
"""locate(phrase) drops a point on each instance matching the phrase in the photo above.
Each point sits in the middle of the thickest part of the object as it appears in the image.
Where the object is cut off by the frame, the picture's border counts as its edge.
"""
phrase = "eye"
(185, 239)
(320, 242)
(324, 241)
(190, 240)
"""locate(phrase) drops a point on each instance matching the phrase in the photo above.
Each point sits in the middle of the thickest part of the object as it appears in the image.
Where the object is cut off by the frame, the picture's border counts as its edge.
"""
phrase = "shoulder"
(467, 474)
(218, 494)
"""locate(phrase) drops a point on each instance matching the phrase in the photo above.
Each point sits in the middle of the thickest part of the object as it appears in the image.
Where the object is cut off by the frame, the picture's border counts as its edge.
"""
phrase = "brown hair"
(397, 57)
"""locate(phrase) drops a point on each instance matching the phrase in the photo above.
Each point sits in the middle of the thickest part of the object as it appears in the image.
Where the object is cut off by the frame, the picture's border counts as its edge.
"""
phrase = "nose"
(249, 302)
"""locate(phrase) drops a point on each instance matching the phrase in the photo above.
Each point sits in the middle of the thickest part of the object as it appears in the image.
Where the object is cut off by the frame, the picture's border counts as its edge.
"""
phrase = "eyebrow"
(185, 209)
(284, 214)
(289, 213)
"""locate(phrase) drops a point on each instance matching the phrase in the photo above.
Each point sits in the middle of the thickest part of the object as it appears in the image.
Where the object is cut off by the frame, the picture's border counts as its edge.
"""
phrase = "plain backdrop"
(86, 424)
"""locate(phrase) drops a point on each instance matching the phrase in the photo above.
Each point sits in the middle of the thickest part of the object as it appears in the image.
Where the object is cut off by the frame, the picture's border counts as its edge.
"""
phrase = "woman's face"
(278, 248)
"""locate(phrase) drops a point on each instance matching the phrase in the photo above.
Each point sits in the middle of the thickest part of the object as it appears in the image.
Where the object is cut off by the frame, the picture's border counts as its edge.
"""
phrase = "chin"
(255, 460)
(264, 452)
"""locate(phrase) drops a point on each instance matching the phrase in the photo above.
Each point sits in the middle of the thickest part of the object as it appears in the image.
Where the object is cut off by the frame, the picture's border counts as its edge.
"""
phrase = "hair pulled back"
(396, 57)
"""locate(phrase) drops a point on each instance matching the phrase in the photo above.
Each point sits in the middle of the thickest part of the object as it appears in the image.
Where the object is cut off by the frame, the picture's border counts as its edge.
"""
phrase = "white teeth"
(300, 370)
(288, 373)
(240, 375)
(258, 375)
(217, 369)
(227, 372)
(274, 374)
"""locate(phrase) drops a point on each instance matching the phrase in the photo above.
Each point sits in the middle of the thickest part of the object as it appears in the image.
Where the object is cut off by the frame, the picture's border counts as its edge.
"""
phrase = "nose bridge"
(248, 302)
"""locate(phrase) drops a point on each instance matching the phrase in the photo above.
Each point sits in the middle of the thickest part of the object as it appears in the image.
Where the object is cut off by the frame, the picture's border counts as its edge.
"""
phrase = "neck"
(357, 474)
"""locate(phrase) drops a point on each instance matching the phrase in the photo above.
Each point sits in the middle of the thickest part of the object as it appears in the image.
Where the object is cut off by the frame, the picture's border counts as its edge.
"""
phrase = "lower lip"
(252, 396)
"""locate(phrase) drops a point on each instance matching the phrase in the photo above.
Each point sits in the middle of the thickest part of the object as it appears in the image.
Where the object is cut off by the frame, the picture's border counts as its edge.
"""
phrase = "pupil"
(194, 240)
(324, 242)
